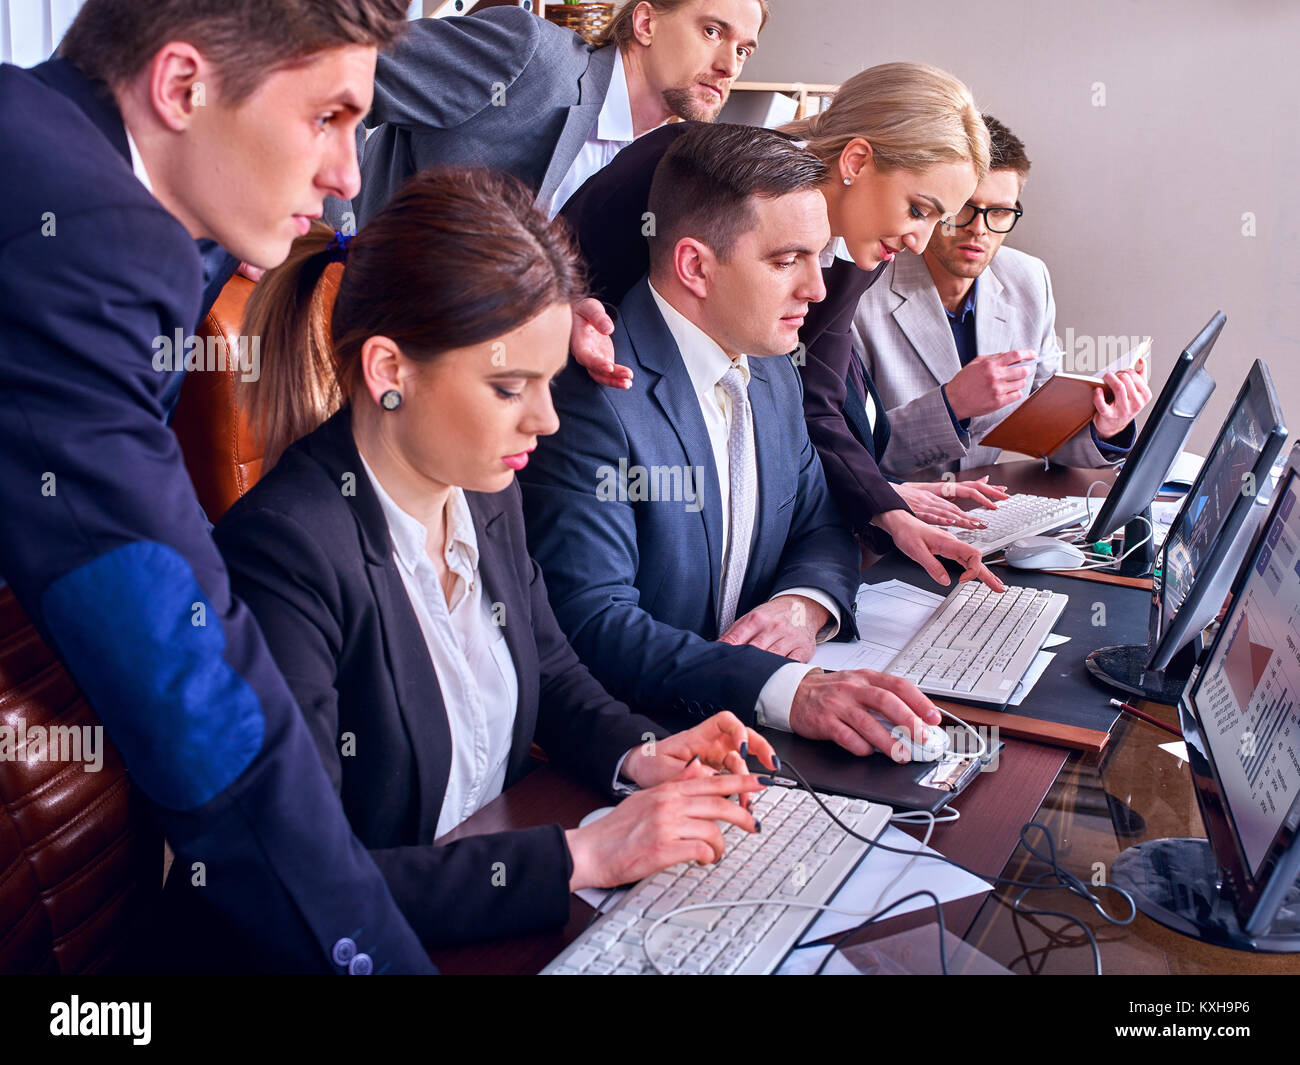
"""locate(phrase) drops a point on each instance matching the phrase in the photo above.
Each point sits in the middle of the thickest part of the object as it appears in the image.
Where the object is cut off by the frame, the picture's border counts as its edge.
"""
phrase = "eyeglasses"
(996, 219)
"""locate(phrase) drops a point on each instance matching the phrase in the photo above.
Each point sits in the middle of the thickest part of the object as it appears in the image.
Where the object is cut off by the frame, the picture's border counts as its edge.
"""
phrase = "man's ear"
(856, 155)
(643, 23)
(693, 263)
(179, 84)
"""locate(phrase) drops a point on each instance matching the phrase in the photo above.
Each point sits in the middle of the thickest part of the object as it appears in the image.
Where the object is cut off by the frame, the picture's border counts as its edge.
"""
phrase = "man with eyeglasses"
(956, 338)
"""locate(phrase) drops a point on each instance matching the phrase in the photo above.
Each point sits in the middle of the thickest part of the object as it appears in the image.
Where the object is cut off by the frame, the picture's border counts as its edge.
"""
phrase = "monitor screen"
(1245, 698)
(1227, 474)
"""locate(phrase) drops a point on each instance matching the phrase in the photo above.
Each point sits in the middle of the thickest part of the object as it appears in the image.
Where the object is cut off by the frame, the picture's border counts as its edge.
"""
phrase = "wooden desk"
(1100, 804)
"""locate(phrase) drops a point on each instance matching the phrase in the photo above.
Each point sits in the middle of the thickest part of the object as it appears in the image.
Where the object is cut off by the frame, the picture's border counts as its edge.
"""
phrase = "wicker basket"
(586, 20)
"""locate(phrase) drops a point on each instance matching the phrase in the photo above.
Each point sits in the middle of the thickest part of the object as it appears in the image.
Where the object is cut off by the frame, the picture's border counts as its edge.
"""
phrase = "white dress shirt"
(706, 363)
(613, 132)
(837, 249)
(476, 675)
(137, 161)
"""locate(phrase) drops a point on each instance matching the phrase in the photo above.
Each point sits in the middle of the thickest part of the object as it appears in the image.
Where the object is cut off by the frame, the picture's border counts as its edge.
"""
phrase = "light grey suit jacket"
(502, 88)
(908, 348)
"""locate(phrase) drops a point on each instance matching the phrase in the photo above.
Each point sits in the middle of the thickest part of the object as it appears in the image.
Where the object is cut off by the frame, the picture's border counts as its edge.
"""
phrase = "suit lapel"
(921, 317)
(592, 90)
(992, 328)
(771, 455)
(415, 683)
(673, 392)
(497, 569)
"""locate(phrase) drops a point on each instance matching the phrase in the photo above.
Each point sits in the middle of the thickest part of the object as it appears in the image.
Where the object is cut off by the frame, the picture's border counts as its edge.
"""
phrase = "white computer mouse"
(1043, 552)
(935, 746)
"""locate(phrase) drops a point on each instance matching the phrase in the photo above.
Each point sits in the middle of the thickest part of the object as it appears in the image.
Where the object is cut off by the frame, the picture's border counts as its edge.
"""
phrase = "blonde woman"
(905, 145)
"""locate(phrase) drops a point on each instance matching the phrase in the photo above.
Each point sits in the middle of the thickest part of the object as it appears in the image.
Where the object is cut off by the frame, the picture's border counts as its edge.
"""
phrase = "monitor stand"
(1141, 561)
(1177, 883)
(1124, 667)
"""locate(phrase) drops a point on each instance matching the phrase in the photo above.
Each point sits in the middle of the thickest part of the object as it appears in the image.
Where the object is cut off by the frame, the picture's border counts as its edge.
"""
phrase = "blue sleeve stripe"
(147, 648)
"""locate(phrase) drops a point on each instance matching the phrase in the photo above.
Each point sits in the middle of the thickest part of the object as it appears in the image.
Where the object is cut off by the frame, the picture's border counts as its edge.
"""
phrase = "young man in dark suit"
(166, 121)
(692, 551)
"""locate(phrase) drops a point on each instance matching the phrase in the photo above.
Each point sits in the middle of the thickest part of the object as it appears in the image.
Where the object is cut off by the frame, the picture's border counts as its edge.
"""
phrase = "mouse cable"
(1067, 881)
(796, 904)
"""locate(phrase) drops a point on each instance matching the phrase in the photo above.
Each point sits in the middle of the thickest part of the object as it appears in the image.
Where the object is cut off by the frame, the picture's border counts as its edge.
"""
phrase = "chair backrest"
(79, 858)
(222, 454)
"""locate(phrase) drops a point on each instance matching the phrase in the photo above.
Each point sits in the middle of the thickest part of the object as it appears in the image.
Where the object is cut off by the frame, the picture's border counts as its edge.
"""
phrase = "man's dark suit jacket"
(106, 548)
(316, 567)
(499, 88)
(635, 583)
(608, 215)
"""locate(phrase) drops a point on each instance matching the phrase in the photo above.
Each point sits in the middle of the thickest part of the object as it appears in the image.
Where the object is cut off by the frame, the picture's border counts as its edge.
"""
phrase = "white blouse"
(480, 689)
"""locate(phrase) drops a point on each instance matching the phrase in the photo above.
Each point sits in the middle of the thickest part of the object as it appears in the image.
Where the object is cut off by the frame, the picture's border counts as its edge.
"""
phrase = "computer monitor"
(1167, 427)
(1213, 528)
(1240, 719)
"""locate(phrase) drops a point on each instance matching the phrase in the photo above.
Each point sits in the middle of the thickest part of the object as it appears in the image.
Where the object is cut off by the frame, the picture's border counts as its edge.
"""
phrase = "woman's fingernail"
(744, 749)
(776, 759)
(758, 825)
(766, 781)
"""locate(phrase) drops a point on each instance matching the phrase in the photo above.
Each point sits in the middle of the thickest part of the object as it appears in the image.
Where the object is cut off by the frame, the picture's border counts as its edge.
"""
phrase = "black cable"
(845, 937)
(1068, 881)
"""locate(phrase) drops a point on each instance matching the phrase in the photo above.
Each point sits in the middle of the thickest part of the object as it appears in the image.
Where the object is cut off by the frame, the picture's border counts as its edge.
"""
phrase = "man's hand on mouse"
(839, 707)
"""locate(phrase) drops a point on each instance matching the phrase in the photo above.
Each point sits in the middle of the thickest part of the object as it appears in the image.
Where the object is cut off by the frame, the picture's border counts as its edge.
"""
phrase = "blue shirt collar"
(968, 307)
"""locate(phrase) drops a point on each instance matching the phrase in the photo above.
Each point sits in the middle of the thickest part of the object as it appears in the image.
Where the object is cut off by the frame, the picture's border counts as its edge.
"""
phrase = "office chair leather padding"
(79, 860)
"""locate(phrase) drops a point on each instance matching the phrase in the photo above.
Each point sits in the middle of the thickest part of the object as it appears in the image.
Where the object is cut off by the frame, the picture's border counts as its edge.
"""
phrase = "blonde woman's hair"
(913, 115)
(619, 29)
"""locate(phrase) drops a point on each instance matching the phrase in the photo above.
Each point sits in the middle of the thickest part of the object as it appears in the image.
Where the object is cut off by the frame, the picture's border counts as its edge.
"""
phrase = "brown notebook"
(1055, 412)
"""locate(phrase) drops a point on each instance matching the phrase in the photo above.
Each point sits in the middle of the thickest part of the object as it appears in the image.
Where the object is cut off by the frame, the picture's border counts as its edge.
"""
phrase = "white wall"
(1136, 205)
(30, 29)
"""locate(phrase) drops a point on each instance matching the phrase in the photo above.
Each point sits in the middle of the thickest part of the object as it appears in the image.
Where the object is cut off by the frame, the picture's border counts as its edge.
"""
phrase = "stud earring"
(391, 400)
(848, 181)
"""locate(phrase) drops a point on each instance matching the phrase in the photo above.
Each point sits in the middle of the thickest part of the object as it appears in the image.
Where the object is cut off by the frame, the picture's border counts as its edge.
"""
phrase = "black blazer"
(607, 216)
(309, 552)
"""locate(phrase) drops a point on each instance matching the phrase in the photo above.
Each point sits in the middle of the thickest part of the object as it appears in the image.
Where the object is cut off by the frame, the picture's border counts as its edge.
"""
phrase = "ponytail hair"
(913, 115)
(458, 257)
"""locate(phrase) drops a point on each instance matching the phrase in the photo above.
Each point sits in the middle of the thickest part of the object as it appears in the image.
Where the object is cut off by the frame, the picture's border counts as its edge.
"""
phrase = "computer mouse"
(1043, 552)
(935, 746)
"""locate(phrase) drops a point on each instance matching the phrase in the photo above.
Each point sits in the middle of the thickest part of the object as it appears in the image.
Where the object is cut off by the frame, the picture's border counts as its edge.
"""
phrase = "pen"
(1145, 717)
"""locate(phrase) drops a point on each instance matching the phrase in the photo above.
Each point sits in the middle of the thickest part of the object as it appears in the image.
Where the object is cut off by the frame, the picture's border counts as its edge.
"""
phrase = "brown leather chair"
(79, 858)
(222, 454)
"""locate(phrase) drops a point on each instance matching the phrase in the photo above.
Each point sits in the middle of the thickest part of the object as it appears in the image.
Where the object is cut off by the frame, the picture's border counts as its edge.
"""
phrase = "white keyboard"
(799, 854)
(1021, 515)
(979, 643)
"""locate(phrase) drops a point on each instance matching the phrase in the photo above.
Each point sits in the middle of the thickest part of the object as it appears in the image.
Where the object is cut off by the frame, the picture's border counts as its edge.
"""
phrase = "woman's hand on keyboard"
(846, 707)
(672, 822)
(716, 742)
(922, 543)
(935, 502)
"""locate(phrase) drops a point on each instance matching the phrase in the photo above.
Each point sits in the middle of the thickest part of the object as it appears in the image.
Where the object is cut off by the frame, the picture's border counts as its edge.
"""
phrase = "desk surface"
(1096, 805)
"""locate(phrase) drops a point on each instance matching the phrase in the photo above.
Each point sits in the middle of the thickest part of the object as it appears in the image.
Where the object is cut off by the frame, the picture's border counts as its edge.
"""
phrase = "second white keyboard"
(980, 643)
(1021, 515)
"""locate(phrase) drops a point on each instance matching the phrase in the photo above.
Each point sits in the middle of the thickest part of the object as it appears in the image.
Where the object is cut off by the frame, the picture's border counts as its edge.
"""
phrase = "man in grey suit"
(509, 90)
(952, 337)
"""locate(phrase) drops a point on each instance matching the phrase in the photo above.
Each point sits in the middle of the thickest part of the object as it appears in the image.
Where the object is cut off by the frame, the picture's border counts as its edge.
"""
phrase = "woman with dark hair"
(384, 558)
